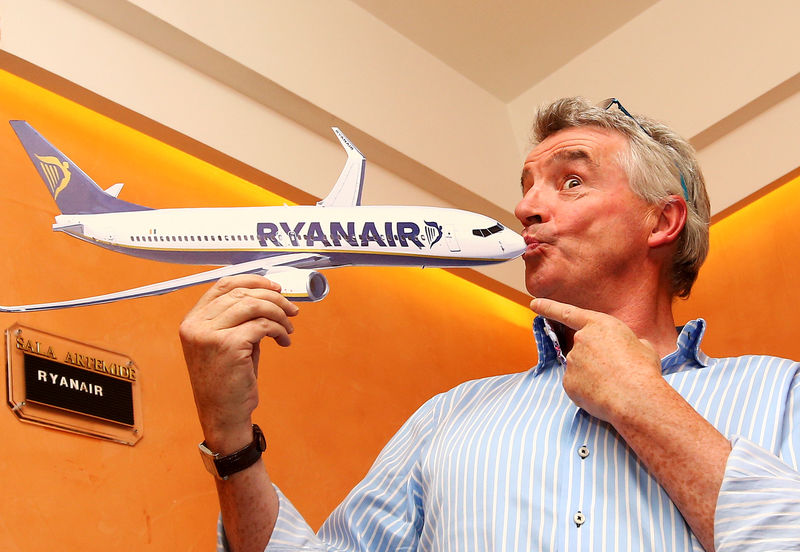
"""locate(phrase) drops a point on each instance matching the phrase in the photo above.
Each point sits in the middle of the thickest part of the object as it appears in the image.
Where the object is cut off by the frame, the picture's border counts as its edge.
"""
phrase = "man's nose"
(531, 208)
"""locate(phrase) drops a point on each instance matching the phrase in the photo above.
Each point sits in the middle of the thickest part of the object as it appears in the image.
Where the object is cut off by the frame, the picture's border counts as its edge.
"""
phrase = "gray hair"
(657, 162)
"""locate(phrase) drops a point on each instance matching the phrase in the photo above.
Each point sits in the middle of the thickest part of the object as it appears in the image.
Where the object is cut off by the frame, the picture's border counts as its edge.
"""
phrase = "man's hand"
(220, 338)
(609, 369)
(616, 377)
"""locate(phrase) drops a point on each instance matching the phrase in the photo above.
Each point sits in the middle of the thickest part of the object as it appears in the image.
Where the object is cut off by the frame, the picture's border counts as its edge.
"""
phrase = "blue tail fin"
(74, 192)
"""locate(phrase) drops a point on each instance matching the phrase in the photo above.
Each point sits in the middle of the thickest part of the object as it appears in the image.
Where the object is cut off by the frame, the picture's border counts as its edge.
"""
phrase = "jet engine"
(299, 284)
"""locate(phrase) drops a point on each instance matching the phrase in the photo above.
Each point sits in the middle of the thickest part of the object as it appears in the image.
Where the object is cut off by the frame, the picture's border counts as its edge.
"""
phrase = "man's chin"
(538, 286)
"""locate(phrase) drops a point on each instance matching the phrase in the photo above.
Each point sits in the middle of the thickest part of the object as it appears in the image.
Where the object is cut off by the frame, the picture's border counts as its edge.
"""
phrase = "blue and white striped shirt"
(510, 463)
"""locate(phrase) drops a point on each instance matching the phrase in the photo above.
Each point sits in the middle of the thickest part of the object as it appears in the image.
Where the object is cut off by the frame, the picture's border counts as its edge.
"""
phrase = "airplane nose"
(512, 243)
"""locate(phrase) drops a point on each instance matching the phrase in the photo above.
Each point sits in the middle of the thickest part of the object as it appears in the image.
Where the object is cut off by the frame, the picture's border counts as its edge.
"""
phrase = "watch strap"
(223, 467)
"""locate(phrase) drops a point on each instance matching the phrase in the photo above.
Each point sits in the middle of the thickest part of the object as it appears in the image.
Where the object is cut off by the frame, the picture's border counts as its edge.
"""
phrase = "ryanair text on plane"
(395, 234)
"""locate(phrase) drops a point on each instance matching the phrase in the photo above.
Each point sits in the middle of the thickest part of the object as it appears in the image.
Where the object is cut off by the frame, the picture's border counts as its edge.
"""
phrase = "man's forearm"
(248, 501)
(249, 506)
(684, 452)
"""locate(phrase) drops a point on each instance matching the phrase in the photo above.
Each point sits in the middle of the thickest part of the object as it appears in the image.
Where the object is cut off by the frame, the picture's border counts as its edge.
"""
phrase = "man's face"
(586, 231)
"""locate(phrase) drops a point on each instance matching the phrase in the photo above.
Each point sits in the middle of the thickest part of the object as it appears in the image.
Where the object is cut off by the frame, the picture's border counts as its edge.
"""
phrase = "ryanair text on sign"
(74, 378)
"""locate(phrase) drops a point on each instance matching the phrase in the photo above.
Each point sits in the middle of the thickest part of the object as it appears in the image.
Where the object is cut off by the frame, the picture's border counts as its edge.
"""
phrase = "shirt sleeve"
(759, 501)
(382, 513)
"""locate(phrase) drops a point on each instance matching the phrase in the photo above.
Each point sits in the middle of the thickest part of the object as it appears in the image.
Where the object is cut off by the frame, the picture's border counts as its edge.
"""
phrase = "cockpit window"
(485, 232)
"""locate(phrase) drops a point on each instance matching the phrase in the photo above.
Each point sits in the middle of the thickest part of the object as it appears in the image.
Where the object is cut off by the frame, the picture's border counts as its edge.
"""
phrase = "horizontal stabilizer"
(69, 228)
(114, 190)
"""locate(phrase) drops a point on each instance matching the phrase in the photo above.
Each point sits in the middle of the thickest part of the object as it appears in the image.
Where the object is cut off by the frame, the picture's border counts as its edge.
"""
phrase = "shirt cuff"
(291, 532)
(758, 503)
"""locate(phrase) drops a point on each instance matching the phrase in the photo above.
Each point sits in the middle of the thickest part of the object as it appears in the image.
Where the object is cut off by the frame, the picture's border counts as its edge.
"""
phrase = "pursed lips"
(532, 244)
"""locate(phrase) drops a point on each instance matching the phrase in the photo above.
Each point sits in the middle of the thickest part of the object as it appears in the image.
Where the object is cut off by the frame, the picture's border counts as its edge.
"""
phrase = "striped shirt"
(511, 463)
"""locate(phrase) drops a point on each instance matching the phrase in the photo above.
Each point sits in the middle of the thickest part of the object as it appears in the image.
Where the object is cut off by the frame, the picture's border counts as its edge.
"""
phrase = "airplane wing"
(347, 190)
(298, 284)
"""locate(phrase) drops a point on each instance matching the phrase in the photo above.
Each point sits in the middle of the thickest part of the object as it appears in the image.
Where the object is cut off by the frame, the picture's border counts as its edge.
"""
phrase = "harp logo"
(433, 232)
(56, 173)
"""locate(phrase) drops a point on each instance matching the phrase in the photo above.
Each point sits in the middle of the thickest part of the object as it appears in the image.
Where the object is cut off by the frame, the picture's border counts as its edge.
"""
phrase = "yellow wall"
(363, 359)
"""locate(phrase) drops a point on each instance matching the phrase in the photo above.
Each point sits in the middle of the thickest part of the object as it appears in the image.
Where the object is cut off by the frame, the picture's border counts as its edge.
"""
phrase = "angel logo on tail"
(56, 171)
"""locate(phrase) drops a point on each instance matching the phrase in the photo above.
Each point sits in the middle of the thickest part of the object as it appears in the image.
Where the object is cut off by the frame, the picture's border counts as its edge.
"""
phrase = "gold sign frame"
(73, 386)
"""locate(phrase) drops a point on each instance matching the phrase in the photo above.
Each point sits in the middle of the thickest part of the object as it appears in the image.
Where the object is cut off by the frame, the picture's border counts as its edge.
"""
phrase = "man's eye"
(571, 182)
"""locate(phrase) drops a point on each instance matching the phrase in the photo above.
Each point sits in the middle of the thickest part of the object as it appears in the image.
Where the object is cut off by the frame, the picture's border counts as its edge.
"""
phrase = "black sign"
(70, 388)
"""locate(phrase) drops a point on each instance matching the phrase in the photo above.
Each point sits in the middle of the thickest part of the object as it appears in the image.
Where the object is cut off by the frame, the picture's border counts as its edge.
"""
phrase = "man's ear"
(670, 222)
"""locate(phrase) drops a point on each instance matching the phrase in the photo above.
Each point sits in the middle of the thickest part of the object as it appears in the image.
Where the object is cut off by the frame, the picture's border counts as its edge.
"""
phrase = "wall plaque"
(69, 385)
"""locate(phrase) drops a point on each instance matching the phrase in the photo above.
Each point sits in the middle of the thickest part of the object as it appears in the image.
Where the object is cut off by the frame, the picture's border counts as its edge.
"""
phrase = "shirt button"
(578, 518)
(583, 452)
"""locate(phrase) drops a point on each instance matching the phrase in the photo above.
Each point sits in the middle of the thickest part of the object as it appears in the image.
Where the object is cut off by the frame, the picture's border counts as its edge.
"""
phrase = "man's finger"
(251, 308)
(569, 315)
(255, 330)
(225, 285)
(224, 302)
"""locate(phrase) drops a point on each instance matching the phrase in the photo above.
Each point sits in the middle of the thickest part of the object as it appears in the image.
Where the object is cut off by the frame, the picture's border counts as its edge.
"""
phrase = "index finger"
(569, 315)
(225, 285)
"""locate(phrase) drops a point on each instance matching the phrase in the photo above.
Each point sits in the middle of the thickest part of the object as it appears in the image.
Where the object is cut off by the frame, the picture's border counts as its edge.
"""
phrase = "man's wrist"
(228, 439)
(223, 466)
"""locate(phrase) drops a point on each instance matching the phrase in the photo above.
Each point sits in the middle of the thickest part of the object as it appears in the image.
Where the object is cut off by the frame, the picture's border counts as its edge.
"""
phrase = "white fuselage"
(361, 235)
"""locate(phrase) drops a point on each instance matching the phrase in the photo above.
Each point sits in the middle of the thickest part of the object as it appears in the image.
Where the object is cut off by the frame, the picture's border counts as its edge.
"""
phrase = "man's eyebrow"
(560, 156)
(572, 155)
(525, 173)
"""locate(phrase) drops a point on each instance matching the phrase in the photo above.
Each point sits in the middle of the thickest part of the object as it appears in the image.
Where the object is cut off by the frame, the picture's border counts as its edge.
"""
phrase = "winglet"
(347, 190)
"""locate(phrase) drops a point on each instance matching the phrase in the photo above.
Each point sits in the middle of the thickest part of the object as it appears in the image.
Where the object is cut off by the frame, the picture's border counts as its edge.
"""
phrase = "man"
(630, 442)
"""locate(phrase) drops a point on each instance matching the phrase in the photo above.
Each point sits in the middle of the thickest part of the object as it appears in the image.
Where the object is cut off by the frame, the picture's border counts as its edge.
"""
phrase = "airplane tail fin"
(347, 190)
(72, 189)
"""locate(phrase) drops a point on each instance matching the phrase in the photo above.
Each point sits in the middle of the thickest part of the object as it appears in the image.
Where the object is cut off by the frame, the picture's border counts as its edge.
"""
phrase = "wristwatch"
(222, 467)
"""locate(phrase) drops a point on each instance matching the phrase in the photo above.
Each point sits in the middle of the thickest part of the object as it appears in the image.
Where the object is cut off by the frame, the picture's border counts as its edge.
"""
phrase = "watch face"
(208, 460)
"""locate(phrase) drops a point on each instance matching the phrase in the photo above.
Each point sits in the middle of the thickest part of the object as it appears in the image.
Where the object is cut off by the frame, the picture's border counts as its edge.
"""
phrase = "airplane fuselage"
(358, 235)
(287, 244)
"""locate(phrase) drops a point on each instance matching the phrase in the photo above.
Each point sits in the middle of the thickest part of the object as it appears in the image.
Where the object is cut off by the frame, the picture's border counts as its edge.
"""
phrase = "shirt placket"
(576, 482)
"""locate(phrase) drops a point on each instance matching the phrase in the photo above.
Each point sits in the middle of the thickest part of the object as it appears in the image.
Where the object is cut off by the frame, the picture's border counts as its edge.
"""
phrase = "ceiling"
(505, 47)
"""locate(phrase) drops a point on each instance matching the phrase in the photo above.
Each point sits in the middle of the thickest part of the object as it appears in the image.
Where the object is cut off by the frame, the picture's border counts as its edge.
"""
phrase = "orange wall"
(363, 359)
(384, 341)
(748, 288)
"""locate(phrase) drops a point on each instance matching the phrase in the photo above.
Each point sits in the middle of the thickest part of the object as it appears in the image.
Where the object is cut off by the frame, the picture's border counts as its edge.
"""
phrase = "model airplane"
(288, 244)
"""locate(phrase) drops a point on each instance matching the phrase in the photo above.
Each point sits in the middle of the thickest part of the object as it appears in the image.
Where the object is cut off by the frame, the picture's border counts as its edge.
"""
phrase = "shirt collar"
(686, 355)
